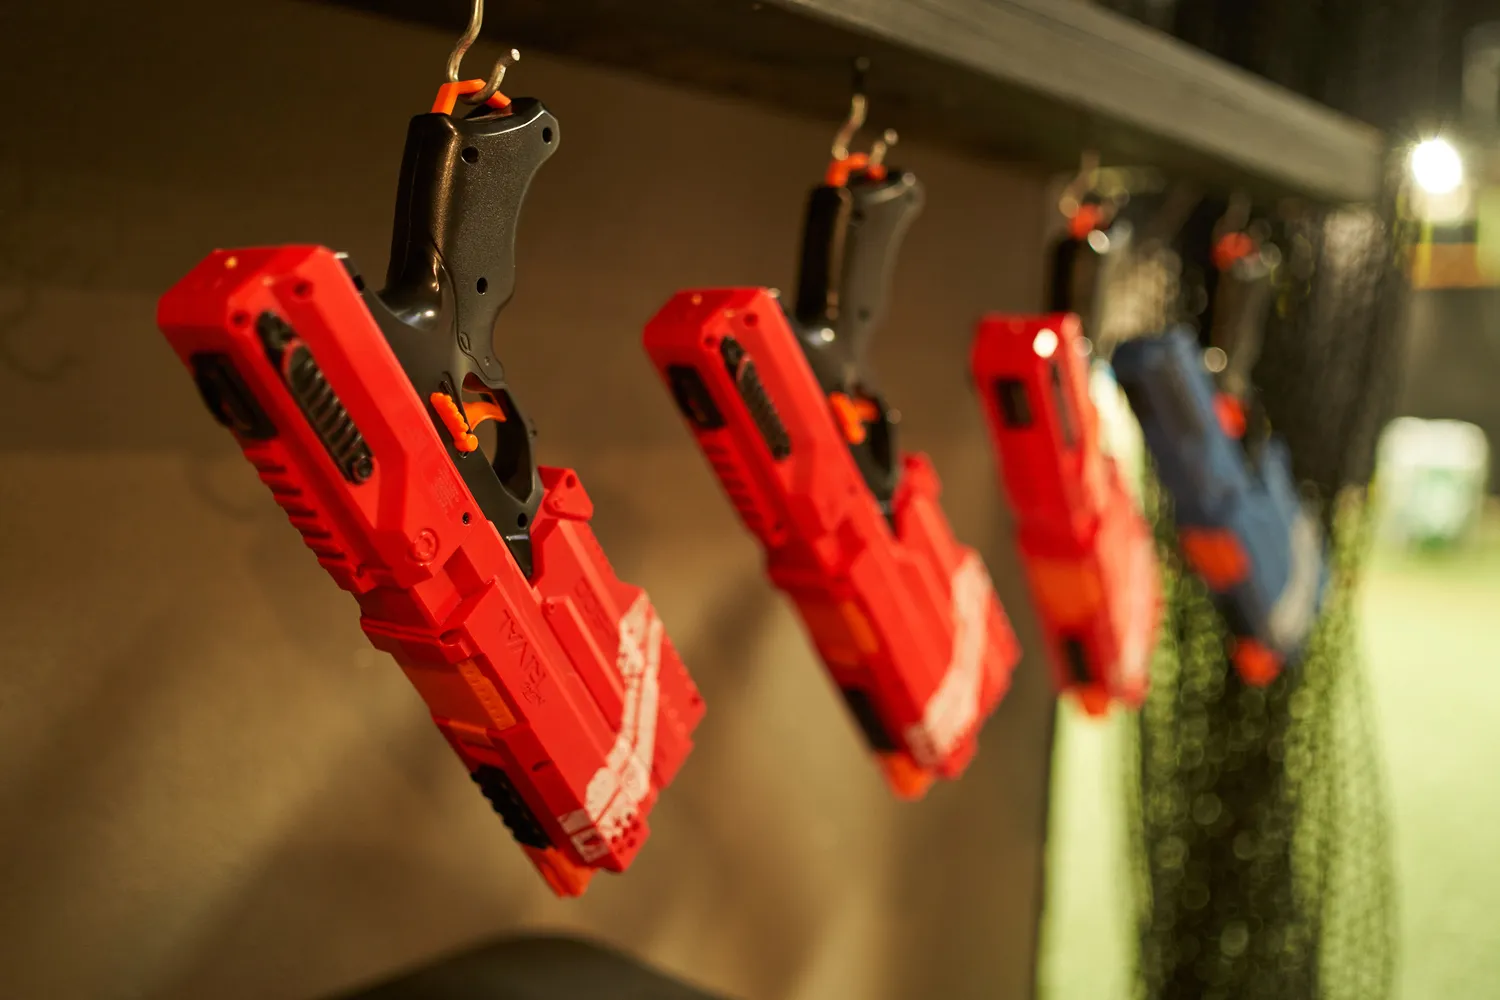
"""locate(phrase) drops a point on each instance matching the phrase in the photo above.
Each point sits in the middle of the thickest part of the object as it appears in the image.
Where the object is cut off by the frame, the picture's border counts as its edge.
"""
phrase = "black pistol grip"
(463, 182)
(850, 244)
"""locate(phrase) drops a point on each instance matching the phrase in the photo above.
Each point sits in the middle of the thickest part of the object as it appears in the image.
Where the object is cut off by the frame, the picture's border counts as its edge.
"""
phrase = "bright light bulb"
(1436, 166)
(1045, 343)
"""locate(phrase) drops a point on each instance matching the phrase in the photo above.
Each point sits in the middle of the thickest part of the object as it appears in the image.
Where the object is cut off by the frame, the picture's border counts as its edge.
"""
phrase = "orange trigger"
(846, 411)
(477, 411)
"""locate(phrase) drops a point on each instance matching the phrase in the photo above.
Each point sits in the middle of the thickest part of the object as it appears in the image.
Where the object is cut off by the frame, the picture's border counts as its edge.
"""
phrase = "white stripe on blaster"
(953, 709)
(618, 788)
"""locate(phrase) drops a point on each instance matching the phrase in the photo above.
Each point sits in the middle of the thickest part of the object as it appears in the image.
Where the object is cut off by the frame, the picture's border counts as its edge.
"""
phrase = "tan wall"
(209, 785)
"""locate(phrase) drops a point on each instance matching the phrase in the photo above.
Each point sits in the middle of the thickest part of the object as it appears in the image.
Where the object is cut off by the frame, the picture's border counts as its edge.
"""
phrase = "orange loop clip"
(449, 93)
(1232, 248)
(840, 170)
(1085, 220)
(1231, 414)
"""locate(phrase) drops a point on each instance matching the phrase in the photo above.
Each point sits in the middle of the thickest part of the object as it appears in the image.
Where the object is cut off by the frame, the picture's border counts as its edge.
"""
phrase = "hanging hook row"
(456, 58)
(857, 108)
(882, 146)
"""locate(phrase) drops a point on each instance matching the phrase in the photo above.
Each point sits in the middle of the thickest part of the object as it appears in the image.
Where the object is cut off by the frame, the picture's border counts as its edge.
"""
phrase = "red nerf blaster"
(1090, 557)
(551, 678)
(782, 406)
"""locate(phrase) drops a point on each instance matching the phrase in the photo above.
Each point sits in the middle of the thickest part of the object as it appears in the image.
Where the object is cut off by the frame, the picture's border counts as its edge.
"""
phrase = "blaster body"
(551, 679)
(903, 616)
(1242, 527)
(1089, 555)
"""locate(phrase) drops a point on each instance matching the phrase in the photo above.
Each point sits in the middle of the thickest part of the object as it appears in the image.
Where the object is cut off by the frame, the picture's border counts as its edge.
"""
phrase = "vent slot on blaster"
(507, 802)
(321, 406)
(1015, 405)
(747, 382)
(228, 398)
(693, 398)
(1064, 411)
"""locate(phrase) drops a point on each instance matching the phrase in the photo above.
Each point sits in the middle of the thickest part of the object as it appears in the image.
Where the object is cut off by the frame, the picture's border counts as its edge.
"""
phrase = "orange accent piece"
(829, 631)
(847, 412)
(448, 93)
(1231, 414)
(1216, 555)
(839, 170)
(564, 876)
(1231, 248)
(454, 419)
(906, 779)
(859, 628)
(1067, 591)
(1085, 221)
(1257, 665)
(1094, 700)
(488, 695)
(841, 631)
(477, 736)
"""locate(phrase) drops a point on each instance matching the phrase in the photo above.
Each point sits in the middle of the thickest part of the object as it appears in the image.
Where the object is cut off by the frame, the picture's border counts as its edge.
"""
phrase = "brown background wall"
(209, 785)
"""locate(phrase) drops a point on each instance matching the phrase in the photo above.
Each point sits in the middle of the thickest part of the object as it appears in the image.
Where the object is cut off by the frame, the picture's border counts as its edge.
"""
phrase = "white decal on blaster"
(1296, 607)
(618, 788)
(1136, 616)
(953, 709)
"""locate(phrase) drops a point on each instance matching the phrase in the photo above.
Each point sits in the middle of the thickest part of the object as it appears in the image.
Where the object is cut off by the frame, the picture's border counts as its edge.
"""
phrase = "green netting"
(1259, 823)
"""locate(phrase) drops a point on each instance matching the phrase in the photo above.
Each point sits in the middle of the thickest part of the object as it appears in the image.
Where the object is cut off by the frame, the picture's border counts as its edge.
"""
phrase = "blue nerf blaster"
(1242, 526)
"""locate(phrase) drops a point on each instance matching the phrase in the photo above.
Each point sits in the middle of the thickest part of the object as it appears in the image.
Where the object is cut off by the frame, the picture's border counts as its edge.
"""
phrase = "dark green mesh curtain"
(1259, 820)
(1259, 823)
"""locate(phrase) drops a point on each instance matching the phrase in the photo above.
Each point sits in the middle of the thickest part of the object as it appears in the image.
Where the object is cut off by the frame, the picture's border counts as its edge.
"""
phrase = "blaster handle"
(463, 181)
(849, 247)
(452, 270)
(1242, 305)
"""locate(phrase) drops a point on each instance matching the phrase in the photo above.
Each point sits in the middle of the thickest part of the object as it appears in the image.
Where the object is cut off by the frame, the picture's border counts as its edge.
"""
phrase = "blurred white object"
(1119, 433)
(1430, 480)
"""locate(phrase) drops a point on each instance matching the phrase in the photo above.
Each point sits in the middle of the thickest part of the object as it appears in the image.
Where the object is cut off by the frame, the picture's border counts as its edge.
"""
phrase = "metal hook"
(857, 107)
(1082, 182)
(456, 58)
(882, 146)
(1236, 217)
(505, 62)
